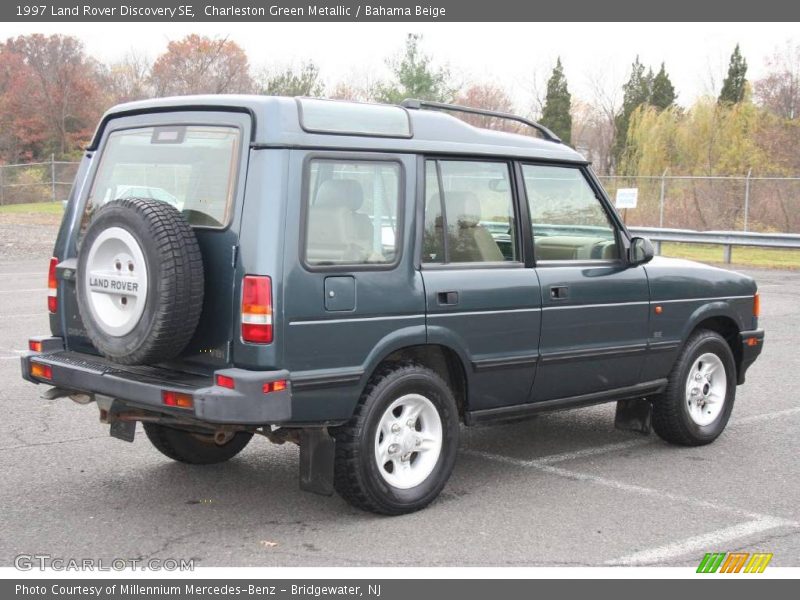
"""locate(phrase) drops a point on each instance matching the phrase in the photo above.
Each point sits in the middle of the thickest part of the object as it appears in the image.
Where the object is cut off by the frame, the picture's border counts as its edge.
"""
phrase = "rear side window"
(352, 210)
(190, 167)
(469, 213)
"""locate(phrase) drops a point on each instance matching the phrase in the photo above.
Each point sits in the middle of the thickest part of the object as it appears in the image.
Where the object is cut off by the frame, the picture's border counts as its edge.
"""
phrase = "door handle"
(447, 298)
(559, 292)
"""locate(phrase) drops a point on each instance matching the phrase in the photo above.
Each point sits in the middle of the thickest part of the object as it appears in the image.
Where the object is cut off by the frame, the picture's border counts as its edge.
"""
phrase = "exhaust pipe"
(223, 437)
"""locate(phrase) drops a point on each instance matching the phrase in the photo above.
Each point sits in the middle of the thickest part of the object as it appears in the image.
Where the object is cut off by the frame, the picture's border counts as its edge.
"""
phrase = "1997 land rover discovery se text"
(360, 279)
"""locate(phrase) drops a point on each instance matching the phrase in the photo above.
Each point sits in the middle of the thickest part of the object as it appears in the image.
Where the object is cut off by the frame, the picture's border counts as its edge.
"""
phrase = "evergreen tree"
(636, 91)
(733, 87)
(414, 77)
(556, 113)
(662, 94)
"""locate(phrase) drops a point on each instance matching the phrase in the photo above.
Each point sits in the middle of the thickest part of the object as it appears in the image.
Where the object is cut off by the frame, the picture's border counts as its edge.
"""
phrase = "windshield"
(190, 167)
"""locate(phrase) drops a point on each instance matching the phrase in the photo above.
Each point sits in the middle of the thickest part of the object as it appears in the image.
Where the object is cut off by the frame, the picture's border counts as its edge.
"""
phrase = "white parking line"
(29, 274)
(564, 456)
(543, 465)
(701, 543)
(766, 416)
(756, 522)
(23, 291)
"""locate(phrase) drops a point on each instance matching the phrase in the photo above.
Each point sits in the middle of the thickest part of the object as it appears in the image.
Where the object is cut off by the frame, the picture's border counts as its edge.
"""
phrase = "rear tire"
(695, 407)
(194, 448)
(398, 450)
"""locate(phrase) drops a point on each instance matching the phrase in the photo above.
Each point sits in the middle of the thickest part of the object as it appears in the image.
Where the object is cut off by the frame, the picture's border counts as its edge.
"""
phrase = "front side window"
(352, 212)
(469, 213)
(569, 221)
(192, 168)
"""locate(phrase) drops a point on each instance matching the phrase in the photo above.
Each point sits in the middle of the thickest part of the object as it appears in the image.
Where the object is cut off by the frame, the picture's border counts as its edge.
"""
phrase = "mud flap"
(317, 452)
(634, 415)
(123, 430)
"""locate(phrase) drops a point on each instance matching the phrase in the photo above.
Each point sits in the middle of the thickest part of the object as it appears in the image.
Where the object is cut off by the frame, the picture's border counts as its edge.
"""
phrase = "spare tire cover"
(139, 281)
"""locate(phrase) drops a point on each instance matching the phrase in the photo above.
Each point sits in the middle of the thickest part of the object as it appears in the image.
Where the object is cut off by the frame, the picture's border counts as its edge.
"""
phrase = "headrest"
(340, 193)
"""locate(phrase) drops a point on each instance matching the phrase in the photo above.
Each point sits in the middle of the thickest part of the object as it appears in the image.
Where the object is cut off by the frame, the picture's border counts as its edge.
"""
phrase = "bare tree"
(779, 91)
(594, 122)
(202, 65)
(489, 97)
(129, 78)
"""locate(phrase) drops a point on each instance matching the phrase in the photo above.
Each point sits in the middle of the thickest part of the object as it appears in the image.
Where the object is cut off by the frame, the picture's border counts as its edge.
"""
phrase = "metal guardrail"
(727, 239)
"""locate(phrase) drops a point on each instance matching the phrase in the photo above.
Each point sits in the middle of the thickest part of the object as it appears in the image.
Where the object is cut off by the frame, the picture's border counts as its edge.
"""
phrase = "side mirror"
(641, 251)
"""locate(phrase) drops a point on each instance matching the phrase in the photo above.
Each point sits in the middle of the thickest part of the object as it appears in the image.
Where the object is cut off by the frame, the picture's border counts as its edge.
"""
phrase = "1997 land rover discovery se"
(360, 279)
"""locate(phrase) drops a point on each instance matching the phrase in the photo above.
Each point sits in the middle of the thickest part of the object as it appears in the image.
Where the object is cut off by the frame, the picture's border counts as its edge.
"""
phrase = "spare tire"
(139, 281)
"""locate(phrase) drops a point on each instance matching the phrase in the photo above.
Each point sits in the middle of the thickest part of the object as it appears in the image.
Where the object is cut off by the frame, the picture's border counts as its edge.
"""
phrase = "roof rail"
(413, 104)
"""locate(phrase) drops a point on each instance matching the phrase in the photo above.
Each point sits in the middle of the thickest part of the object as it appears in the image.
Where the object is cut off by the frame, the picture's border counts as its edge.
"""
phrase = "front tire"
(695, 407)
(398, 450)
(194, 448)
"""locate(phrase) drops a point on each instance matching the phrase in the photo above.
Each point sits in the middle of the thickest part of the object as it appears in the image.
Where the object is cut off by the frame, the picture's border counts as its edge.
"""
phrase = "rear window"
(190, 167)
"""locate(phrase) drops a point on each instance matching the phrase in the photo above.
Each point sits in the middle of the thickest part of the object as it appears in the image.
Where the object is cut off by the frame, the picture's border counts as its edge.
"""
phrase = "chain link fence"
(48, 181)
(746, 203)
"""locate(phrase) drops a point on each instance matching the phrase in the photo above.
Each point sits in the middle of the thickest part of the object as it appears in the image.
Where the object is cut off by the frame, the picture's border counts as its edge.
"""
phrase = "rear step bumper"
(251, 402)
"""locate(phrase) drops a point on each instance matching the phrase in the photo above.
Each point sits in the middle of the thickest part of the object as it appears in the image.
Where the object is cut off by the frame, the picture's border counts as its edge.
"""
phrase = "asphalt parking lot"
(563, 489)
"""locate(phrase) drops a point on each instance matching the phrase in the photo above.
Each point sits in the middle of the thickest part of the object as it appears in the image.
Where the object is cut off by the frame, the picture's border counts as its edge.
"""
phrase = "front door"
(479, 297)
(594, 306)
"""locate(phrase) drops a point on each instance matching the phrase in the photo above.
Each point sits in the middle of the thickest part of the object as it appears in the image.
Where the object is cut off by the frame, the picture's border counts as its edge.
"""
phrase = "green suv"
(361, 279)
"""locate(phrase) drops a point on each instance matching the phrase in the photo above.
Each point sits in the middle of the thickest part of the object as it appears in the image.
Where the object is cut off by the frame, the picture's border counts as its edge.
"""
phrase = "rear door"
(350, 292)
(195, 161)
(479, 296)
(594, 306)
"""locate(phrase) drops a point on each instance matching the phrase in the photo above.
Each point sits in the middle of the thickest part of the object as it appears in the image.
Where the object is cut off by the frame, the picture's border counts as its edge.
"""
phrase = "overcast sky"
(517, 56)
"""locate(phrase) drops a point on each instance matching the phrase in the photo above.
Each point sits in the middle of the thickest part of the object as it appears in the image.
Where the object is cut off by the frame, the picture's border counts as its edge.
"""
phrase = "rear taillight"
(40, 371)
(177, 399)
(257, 309)
(226, 382)
(756, 305)
(52, 286)
(274, 386)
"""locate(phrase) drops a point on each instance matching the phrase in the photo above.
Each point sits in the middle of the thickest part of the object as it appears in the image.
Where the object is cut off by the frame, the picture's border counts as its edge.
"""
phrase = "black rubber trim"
(605, 352)
(305, 382)
(98, 134)
(520, 410)
(749, 353)
(506, 362)
(663, 346)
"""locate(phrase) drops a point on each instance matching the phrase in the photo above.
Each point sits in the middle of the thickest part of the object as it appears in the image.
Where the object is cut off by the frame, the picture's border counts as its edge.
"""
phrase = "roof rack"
(411, 103)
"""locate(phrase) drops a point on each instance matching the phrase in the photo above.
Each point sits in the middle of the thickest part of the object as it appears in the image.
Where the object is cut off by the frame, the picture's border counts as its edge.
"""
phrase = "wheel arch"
(720, 318)
(444, 360)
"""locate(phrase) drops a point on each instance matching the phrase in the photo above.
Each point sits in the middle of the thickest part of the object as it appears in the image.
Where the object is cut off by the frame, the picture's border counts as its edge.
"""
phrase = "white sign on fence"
(627, 197)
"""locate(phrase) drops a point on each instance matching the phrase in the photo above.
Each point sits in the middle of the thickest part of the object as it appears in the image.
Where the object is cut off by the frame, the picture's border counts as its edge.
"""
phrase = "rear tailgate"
(196, 161)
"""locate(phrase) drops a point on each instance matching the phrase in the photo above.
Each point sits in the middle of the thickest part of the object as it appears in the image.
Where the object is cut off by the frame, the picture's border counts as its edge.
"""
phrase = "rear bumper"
(752, 342)
(143, 387)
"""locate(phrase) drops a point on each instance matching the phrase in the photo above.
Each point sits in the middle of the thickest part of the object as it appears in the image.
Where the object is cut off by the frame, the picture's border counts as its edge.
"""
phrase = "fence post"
(53, 176)
(747, 197)
(661, 201)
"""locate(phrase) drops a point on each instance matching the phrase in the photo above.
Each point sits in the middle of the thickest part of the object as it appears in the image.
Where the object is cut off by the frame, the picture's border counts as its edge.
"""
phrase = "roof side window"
(351, 118)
